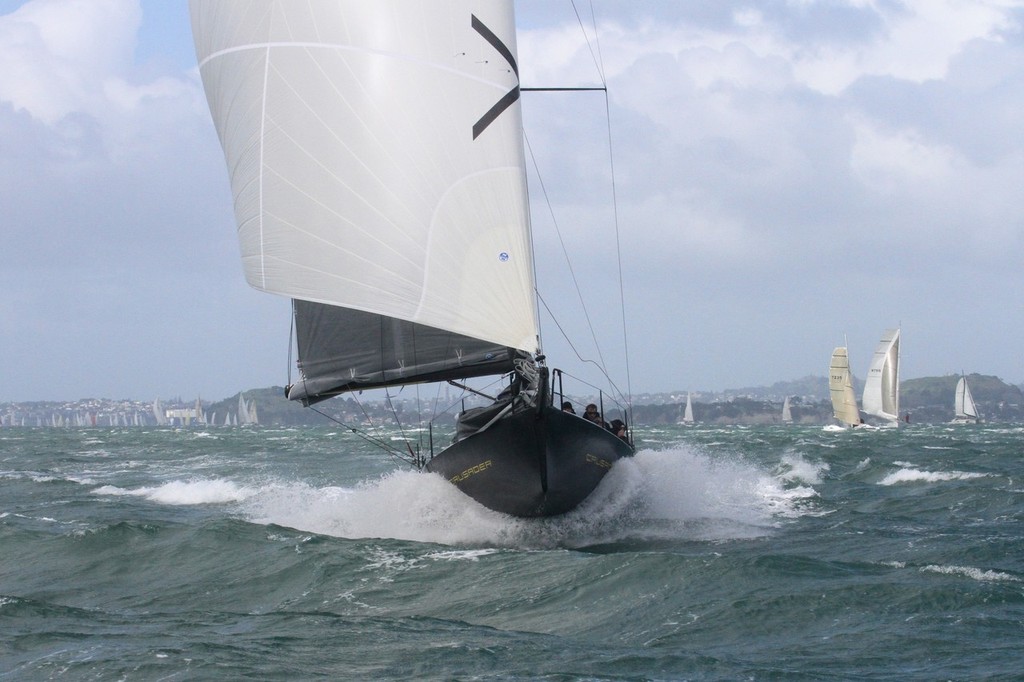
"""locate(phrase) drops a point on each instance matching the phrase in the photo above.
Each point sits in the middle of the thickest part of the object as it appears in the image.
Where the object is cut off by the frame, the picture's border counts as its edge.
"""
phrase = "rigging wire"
(615, 210)
(376, 440)
(595, 52)
(598, 62)
(599, 366)
(568, 261)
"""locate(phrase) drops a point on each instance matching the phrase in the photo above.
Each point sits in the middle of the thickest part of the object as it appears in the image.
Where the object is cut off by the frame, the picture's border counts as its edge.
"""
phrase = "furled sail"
(881, 387)
(375, 156)
(840, 386)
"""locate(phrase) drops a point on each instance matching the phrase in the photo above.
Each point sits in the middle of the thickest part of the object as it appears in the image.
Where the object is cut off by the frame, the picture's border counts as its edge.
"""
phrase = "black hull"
(531, 465)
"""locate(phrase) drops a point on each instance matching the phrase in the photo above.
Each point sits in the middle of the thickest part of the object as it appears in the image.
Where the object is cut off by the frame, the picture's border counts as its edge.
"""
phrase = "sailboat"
(840, 387)
(688, 410)
(159, 414)
(246, 412)
(787, 412)
(965, 410)
(882, 385)
(375, 153)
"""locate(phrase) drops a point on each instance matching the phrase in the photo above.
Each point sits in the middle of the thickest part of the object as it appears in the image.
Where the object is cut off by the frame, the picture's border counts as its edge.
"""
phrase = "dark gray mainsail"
(346, 350)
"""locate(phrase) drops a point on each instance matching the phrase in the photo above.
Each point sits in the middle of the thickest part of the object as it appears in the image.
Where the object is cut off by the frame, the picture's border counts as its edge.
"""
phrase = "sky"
(790, 176)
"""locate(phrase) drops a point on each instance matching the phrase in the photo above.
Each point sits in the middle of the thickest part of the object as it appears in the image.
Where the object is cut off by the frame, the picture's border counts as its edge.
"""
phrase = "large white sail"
(882, 385)
(375, 156)
(840, 386)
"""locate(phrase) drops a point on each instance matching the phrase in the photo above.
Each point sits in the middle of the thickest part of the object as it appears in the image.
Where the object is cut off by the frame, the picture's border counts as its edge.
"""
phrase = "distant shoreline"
(925, 400)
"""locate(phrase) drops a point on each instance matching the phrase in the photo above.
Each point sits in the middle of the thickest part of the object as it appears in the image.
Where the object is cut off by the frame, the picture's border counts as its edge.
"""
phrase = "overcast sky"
(790, 174)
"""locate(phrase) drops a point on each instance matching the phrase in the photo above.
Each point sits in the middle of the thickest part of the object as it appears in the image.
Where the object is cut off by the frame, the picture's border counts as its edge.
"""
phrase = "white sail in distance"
(840, 386)
(964, 408)
(882, 385)
(688, 410)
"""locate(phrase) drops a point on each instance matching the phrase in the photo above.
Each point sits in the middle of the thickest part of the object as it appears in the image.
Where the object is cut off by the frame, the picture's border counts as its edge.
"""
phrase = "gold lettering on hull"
(603, 463)
(482, 466)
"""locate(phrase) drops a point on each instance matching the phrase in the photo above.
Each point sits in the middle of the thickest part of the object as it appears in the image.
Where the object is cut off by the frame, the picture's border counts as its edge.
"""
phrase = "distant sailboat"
(159, 414)
(787, 413)
(246, 412)
(840, 386)
(688, 410)
(964, 408)
(882, 385)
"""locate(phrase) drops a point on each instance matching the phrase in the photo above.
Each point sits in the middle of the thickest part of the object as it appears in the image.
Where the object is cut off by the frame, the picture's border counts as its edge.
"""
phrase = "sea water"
(714, 554)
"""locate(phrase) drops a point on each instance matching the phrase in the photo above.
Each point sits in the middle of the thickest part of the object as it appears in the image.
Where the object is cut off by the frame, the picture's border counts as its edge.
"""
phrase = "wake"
(676, 493)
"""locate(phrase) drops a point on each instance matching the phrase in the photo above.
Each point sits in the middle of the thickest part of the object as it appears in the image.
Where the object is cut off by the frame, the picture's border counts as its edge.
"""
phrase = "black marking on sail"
(512, 95)
(495, 111)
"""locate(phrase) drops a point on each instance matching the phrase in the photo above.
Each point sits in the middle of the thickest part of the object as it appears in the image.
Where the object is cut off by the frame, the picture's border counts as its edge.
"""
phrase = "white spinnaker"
(347, 127)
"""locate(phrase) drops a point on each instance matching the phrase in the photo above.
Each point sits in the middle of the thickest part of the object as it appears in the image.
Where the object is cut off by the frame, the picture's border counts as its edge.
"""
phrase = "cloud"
(60, 57)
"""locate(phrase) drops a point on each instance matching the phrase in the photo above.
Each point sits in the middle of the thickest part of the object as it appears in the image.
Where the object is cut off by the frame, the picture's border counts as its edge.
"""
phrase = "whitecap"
(918, 476)
(794, 467)
(191, 492)
(970, 572)
(461, 555)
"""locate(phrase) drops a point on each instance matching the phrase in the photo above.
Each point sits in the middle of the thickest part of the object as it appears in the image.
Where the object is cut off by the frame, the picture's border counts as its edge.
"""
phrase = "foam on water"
(971, 572)
(676, 491)
(912, 475)
(200, 491)
(794, 467)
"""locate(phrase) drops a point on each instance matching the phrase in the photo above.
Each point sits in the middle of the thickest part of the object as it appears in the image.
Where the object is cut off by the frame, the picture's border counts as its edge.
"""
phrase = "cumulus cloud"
(61, 57)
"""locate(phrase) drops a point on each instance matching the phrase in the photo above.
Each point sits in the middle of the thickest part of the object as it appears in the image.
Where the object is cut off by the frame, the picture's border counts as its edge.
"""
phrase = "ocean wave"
(192, 492)
(917, 476)
(461, 555)
(794, 467)
(971, 572)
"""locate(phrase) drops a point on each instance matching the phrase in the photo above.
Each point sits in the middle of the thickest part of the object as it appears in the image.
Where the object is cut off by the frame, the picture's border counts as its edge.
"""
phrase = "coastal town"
(927, 400)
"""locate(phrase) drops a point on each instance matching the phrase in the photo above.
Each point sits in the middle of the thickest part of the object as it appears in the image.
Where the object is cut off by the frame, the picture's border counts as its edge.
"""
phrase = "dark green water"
(717, 553)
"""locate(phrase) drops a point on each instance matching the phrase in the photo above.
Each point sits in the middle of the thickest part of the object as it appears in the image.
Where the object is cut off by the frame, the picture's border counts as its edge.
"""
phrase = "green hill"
(931, 398)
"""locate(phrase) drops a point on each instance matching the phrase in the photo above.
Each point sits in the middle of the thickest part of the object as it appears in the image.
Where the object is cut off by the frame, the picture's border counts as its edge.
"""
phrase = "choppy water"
(725, 553)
